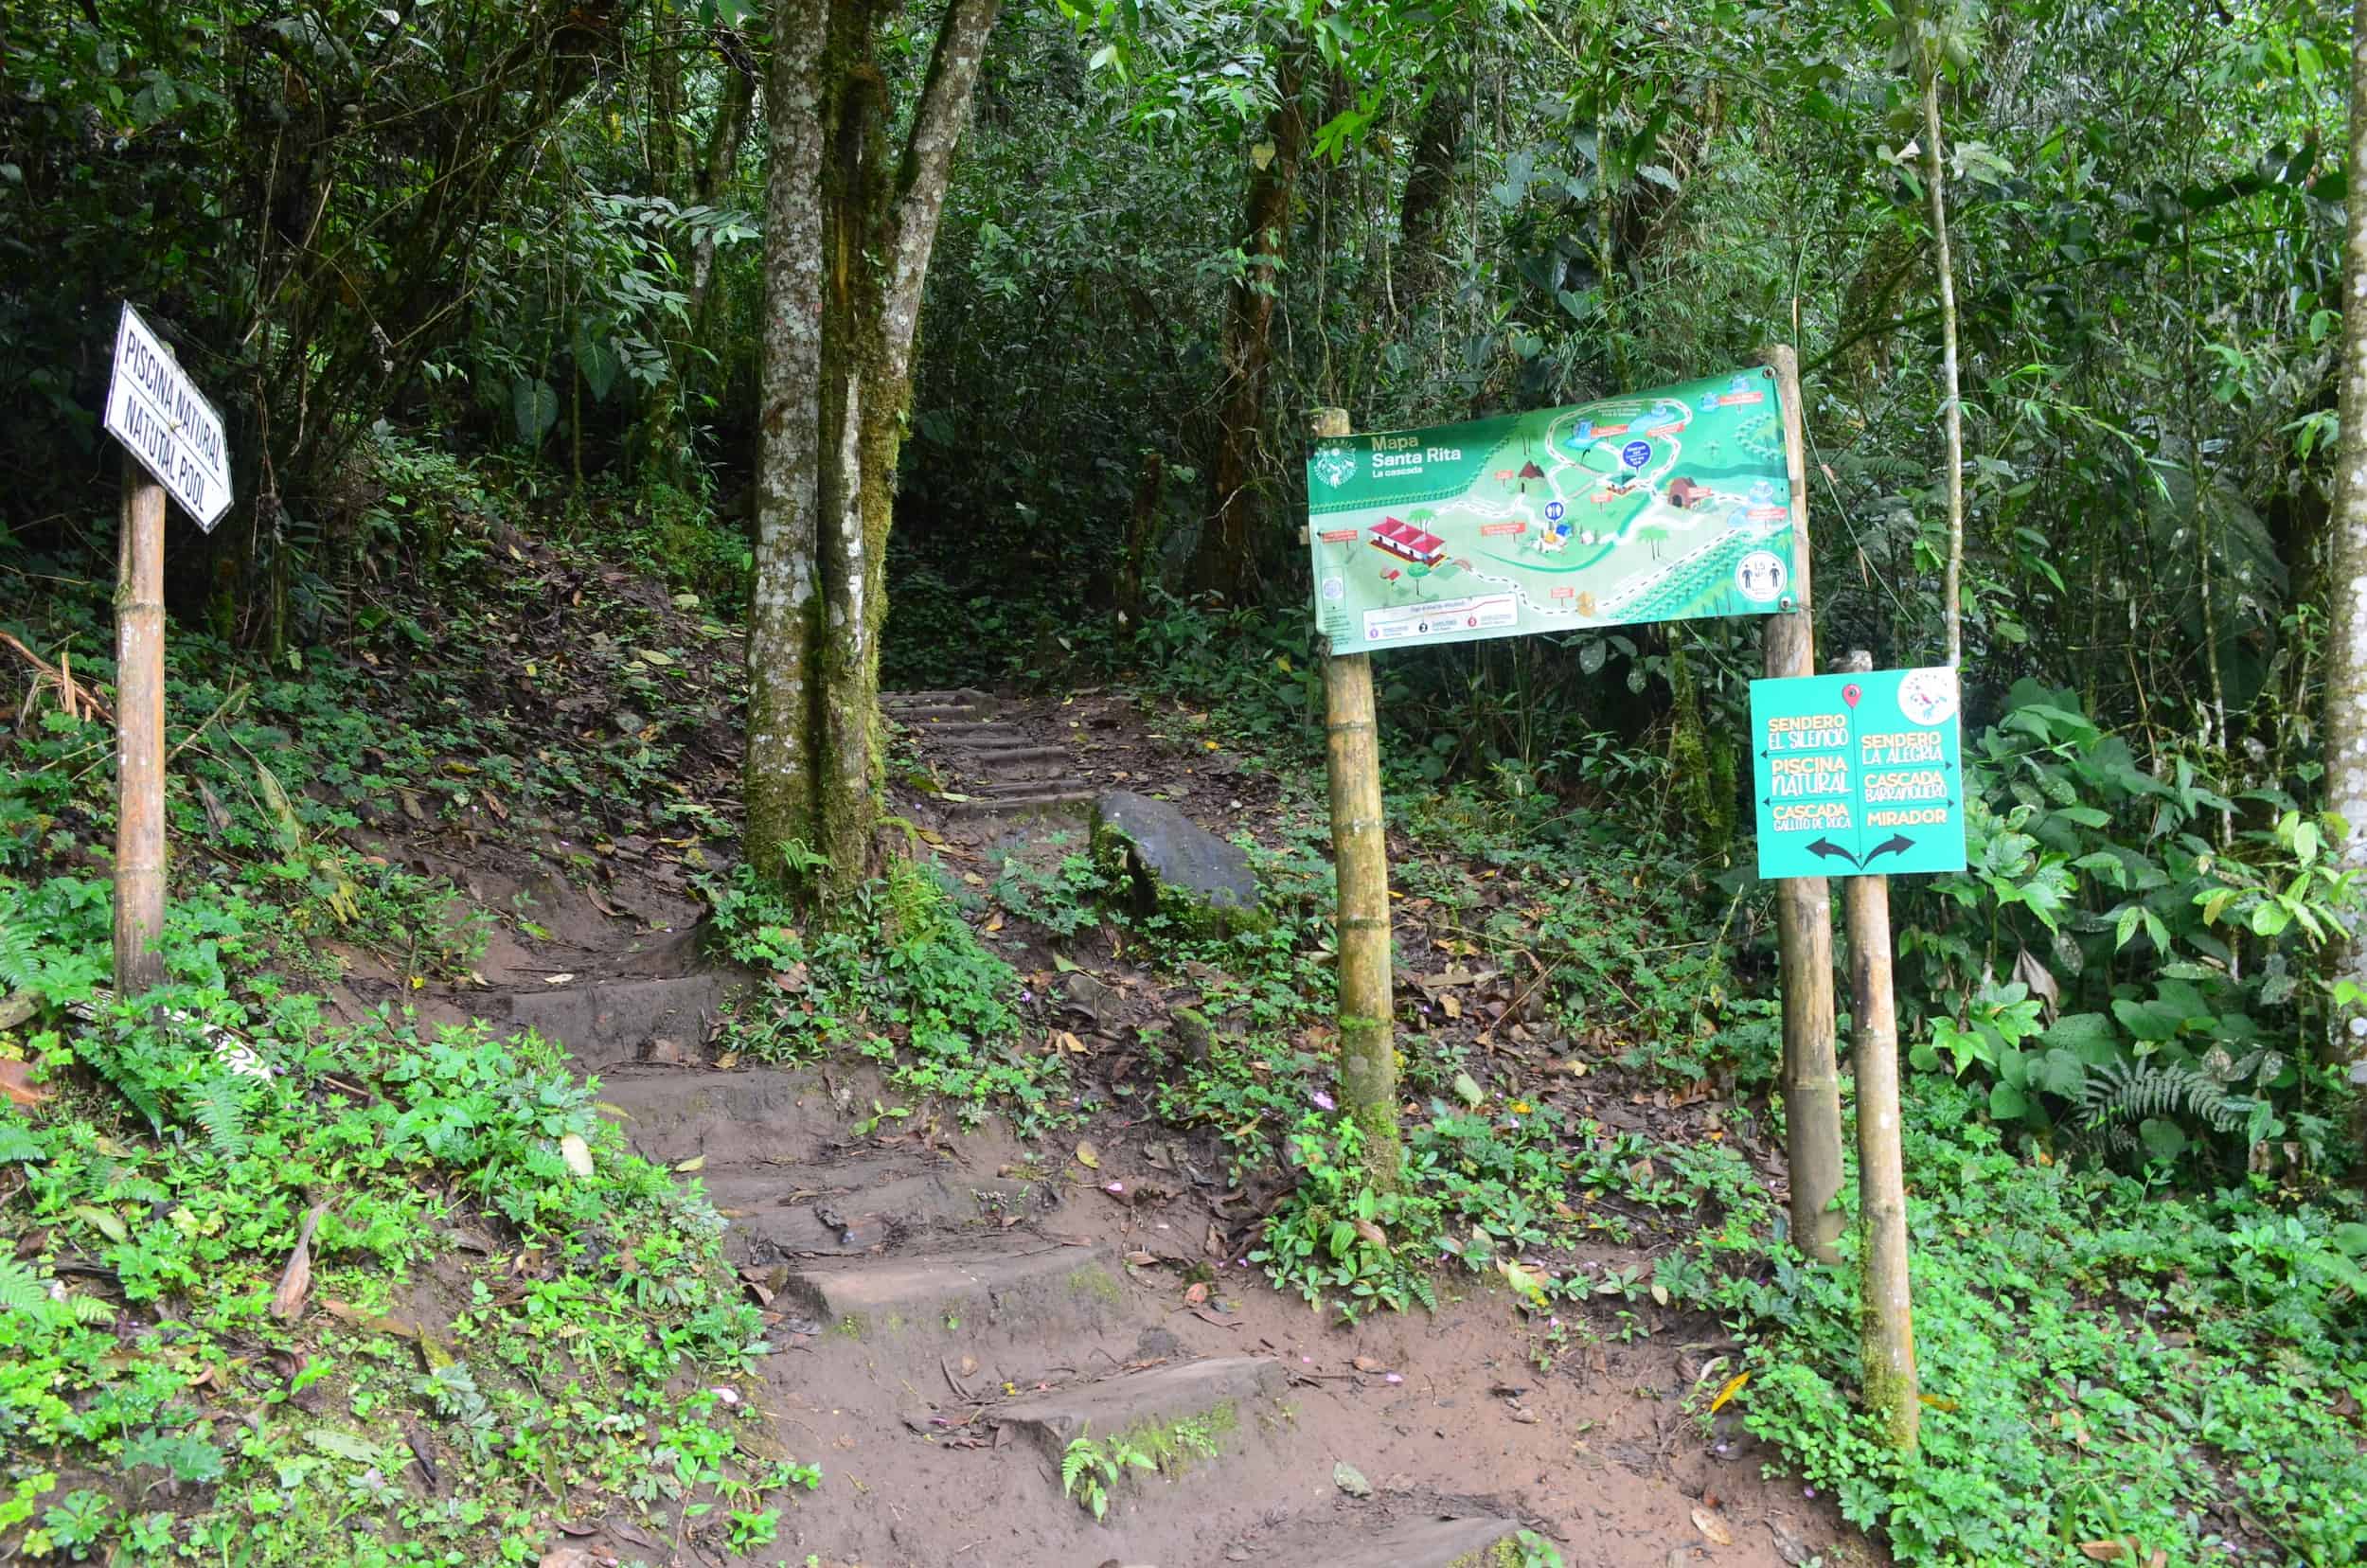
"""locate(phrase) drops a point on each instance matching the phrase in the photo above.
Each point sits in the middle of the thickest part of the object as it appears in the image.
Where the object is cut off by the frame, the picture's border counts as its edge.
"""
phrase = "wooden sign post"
(1865, 768)
(1886, 1327)
(173, 441)
(1804, 909)
(1368, 1057)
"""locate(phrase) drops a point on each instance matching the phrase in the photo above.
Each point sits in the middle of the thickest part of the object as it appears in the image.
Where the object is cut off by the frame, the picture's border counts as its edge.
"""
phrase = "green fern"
(219, 1105)
(2121, 1093)
(1075, 1463)
(18, 967)
(21, 1290)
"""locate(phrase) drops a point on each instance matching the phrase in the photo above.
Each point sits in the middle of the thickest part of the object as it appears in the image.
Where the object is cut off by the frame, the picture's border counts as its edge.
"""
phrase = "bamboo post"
(1803, 908)
(1368, 1059)
(1886, 1327)
(139, 913)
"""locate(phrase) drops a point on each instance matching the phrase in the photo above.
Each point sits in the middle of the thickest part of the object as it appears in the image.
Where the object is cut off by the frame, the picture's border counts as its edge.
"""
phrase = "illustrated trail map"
(1653, 507)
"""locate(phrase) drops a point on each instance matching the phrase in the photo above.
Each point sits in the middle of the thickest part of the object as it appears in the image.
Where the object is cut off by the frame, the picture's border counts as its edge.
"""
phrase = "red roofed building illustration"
(1682, 494)
(1407, 543)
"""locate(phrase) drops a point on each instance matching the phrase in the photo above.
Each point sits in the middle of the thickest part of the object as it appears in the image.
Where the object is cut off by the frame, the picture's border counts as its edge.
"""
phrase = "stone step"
(1008, 777)
(1065, 802)
(941, 713)
(1060, 782)
(896, 700)
(1136, 1403)
(1026, 1284)
(744, 1117)
(999, 756)
(614, 1018)
(791, 1213)
(1481, 1542)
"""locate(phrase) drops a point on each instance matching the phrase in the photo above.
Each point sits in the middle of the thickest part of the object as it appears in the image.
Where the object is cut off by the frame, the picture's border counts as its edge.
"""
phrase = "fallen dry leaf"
(1088, 1156)
(16, 1084)
(1197, 1294)
(1712, 1527)
(295, 1280)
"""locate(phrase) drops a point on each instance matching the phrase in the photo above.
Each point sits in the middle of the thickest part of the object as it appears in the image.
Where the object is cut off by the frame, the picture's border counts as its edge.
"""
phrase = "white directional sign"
(154, 410)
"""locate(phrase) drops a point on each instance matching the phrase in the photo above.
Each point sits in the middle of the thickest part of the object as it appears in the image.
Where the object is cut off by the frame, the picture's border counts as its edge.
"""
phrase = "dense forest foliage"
(474, 281)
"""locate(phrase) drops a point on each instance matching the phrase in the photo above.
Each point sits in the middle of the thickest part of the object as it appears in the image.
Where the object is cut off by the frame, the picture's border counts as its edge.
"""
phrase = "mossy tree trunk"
(1227, 560)
(2347, 575)
(664, 442)
(848, 232)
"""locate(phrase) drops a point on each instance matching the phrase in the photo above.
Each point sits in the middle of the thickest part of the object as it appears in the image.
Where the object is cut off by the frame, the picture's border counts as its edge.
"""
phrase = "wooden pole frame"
(1886, 1328)
(1368, 1057)
(139, 874)
(1804, 905)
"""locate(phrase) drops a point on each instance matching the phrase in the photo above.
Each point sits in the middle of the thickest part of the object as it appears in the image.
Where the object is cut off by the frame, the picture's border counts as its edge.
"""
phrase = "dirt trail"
(949, 1309)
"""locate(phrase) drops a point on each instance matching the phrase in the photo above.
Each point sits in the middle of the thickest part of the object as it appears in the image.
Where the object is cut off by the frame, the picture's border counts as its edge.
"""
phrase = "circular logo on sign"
(1553, 511)
(1760, 577)
(1335, 465)
(1334, 589)
(1636, 453)
(1928, 697)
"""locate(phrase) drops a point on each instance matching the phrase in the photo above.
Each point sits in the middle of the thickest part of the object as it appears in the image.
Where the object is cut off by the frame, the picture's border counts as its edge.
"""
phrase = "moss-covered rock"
(1169, 865)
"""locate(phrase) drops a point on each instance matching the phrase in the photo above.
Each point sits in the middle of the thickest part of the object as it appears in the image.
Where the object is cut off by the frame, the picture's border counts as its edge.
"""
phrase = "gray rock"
(1188, 1028)
(1176, 867)
(1350, 1480)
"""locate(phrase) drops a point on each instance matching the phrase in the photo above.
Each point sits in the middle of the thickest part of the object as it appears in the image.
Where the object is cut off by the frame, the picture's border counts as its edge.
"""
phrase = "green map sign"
(1655, 506)
(1859, 773)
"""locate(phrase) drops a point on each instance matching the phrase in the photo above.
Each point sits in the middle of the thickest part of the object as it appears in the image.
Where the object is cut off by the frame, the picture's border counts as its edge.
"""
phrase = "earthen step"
(1040, 1288)
(1454, 1542)
(1137, 1402)
(1019, 781)
(794, 1212)
(675, 1113)
(1045, 801)
(894, 700)
(1004, 771)
(1060, 783)
(940, 713)
(614, 1018)
(1023, 751)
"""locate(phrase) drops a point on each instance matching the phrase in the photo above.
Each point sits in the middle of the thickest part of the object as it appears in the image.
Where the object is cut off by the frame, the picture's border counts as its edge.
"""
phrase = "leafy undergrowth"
(288, 1291)
(901, 980)
(280, 1289)
(2102, 1360)
(2129, 1345)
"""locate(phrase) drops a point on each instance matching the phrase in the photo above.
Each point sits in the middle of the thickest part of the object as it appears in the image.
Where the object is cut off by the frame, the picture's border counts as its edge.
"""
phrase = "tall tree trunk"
(1429, 186)
(1227, 561)
(784, 613)
(1935, 184)
(715, 174)
(664, 448)
(847, 244)
(2346, 576)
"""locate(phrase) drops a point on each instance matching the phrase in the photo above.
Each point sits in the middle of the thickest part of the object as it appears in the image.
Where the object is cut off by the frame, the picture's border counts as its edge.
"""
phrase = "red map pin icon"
(1850, 693)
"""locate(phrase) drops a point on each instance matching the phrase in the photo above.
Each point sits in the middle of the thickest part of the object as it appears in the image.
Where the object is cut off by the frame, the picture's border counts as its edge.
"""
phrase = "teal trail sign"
(1657, 506)
(1859, 773)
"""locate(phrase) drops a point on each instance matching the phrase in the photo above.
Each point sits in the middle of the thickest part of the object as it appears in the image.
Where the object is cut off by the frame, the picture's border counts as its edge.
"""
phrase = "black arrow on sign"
(1831, 851)
(1897, 844)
